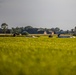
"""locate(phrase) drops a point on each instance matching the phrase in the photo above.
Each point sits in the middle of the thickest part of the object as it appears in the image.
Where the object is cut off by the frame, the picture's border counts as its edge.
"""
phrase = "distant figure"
(58, 35)
(14, 35)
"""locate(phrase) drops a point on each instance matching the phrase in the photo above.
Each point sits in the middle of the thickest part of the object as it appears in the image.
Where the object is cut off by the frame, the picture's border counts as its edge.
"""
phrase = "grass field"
(37, 56)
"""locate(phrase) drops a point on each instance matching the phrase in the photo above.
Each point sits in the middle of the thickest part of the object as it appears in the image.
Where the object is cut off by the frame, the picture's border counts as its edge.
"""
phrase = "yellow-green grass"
(37, 56)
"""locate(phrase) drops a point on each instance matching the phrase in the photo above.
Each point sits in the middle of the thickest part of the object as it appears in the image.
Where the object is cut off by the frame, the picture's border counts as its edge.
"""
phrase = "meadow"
(37, 56)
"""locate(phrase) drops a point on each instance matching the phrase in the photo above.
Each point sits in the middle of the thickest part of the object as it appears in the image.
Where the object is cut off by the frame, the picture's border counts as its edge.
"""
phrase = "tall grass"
(37, 56)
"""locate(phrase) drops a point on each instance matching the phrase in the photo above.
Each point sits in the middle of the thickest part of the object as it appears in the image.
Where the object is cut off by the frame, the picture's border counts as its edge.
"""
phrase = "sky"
(38, 13)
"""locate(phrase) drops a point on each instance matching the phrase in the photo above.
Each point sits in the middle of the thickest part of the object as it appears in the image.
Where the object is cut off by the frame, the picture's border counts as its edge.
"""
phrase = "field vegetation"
(37, 56)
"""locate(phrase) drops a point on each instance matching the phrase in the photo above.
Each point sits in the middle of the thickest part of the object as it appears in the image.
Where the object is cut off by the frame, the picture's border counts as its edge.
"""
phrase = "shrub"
(50, 35)
(25, 33)
(74, 34)
(7, 35)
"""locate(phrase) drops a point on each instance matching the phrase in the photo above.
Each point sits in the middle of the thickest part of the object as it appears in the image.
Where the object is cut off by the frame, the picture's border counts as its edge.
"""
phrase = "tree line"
(31, 30)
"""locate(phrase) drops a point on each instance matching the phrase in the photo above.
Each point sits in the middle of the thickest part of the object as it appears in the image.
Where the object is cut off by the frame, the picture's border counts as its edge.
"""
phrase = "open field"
(37, 56)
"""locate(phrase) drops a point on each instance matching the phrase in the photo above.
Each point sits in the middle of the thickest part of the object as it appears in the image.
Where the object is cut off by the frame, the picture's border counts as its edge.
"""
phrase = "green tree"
(16, 30)
(4, 26)
(28, 27)
(57, 29)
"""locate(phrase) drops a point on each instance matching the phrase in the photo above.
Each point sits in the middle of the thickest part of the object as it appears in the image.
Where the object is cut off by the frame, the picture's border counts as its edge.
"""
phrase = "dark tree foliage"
(4, 27)
(32, 30)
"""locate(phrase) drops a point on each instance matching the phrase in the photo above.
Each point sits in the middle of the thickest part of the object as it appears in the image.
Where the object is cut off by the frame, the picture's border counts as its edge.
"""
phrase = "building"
(41, 32)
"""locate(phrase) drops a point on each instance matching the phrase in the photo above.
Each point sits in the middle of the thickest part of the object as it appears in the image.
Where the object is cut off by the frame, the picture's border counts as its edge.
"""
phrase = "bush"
(74, 34)
(25, 33)
(7, 35)
(50, 35)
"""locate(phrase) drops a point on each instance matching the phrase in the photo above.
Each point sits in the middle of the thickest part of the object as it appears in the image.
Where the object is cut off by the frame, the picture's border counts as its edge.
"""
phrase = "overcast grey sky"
(39, 13)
